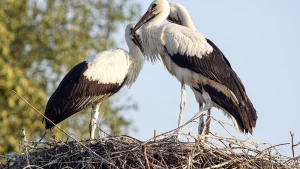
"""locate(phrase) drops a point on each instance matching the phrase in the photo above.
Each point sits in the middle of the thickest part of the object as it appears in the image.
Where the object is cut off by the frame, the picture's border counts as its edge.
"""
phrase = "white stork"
(196, 61)
(94, 80)
(179, 15)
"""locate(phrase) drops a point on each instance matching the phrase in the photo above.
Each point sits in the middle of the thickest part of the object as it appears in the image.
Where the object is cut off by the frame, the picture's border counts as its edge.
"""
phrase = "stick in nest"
(122, 153)
(146, 158)
(62, 129)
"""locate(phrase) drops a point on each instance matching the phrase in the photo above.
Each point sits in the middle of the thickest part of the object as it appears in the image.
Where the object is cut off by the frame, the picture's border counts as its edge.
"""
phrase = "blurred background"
(41, 40)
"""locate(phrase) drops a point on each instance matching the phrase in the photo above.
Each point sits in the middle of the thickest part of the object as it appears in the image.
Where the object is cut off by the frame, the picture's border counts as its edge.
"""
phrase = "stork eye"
(153, 6)
(132, 32)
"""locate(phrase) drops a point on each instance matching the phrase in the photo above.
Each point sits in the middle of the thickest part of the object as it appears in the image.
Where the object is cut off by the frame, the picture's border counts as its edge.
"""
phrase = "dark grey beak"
(146, 17)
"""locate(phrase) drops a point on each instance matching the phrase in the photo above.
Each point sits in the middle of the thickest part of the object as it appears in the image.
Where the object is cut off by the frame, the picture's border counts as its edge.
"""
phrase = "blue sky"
(261, 41)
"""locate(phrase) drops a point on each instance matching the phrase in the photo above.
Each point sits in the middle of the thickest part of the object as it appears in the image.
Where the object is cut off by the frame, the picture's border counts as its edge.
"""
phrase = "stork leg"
(207, 107)
(182, 107)
(93, 122)
(208, 121)
(201, 122)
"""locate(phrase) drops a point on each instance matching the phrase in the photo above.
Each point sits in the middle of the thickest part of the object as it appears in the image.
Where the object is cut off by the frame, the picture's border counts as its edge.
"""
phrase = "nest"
(162, 151)
(126, 152)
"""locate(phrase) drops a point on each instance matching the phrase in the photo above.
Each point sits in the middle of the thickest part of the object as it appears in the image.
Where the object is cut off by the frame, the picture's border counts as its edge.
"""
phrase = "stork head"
(157, 12)
(179, 15)
(131, 37)
(176, 13)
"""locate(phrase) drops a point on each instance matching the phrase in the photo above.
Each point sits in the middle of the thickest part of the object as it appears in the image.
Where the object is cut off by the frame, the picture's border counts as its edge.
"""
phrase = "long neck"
(151, 42)
(186, 20)
(135, 52)
(151, 35)
(137, 62)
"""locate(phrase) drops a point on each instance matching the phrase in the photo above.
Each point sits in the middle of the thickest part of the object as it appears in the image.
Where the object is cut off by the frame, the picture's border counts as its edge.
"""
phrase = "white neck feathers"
(186, 20)
(137, 62)
(151, 33)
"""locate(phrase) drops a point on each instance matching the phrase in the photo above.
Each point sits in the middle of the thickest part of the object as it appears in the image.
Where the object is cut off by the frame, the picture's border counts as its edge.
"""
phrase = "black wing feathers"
(226, 103)
(237, 80)
(76, 93)
(216, 48)
(216, 67)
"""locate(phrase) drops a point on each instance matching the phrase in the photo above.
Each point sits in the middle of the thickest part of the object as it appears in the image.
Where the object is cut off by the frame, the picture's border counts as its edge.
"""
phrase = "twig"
(277, 145)
(43, 115)
(222, 142)
(222, 125)
(23, 136)
(146, 158)
(221, 165)
(33, 166)
(189, 165)
(293, 151)
(62, 129)
(180, 127)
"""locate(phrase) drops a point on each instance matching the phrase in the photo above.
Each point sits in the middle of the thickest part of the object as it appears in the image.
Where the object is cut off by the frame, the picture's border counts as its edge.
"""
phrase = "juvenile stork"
(94, 80)
(179, 15)
(196, 61)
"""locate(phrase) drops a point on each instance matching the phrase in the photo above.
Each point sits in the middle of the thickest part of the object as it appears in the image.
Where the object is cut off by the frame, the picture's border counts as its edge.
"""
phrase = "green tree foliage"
(39, 42)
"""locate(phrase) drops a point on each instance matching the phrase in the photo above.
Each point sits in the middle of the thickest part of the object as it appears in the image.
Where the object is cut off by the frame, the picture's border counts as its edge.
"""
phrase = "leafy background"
(40, 41)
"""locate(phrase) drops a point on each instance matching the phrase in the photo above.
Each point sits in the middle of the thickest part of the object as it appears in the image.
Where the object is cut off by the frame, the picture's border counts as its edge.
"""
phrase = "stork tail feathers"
(244, 114)
(249, 116)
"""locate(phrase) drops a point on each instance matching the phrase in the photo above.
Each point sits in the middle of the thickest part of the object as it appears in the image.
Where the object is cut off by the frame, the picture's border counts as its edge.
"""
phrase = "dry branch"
(127, 152)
